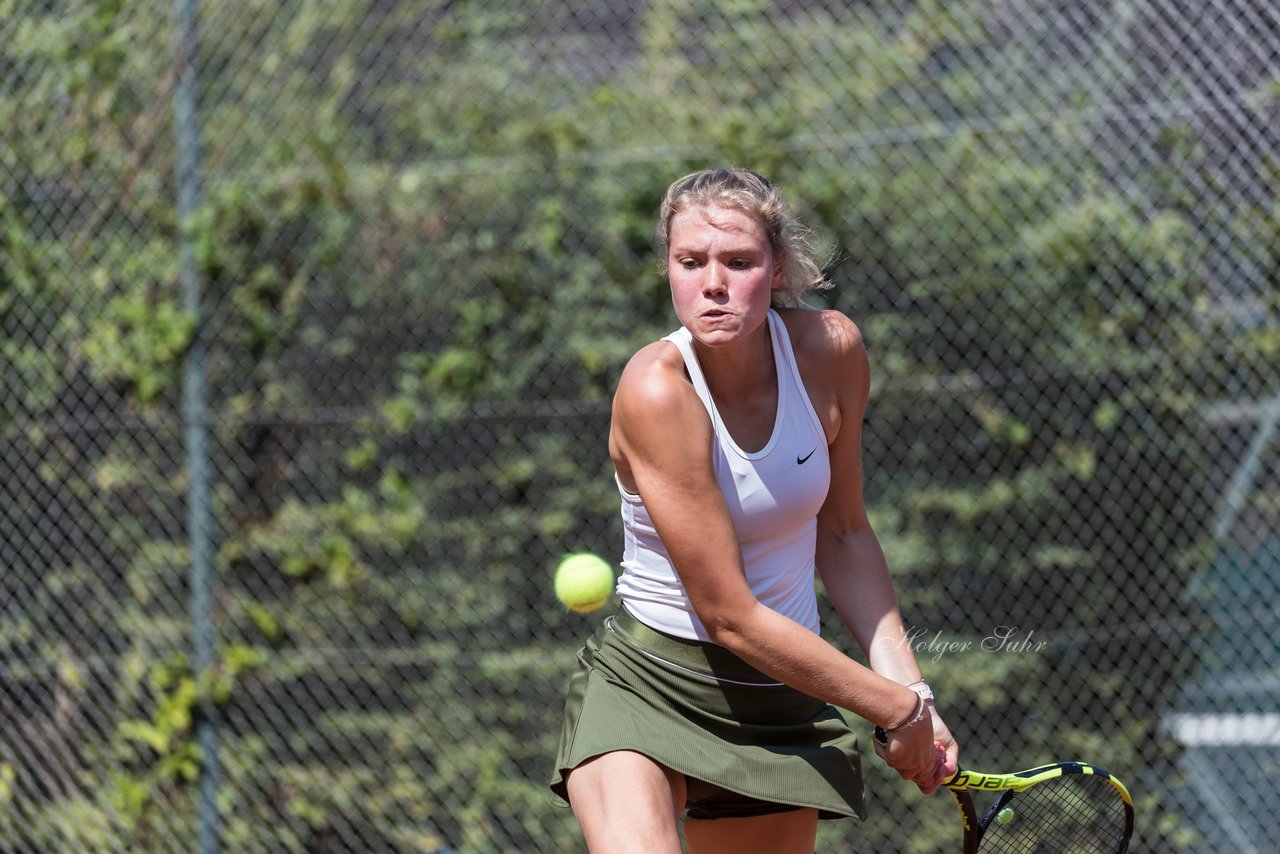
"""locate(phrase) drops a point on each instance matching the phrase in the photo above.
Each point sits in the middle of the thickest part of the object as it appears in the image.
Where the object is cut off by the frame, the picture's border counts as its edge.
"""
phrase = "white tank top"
(773, 495)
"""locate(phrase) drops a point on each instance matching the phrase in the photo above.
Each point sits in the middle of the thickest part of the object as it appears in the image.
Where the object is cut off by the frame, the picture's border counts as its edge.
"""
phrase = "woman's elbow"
(840, 531)
(725, 618)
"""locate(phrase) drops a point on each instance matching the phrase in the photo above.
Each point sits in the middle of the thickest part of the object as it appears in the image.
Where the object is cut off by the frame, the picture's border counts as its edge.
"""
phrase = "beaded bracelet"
(912, 718)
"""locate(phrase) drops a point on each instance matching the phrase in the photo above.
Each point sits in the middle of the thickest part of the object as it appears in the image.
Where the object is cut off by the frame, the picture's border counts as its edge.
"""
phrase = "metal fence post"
(195, 421)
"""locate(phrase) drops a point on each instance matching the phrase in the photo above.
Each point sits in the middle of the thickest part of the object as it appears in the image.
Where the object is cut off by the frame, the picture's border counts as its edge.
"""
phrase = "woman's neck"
(743, 371)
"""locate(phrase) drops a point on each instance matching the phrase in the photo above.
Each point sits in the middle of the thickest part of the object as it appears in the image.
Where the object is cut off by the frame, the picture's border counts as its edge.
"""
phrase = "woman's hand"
(910, 750)
(946, 749)
(923, 752)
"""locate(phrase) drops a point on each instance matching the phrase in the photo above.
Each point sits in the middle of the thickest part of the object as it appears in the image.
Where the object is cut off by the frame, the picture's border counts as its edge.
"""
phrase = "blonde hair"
(751, 193)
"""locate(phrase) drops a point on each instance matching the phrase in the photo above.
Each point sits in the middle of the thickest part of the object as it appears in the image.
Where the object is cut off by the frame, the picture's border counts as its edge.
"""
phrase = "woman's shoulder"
(654, 406)
(656, 359)
(821, 333)
(654, 376)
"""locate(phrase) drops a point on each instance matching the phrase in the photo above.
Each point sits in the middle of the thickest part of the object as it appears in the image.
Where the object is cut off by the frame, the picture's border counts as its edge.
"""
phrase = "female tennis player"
(708, 702)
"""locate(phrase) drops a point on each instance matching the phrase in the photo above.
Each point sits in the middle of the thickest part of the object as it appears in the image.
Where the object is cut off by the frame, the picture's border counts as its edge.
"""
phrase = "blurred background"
(311, 312)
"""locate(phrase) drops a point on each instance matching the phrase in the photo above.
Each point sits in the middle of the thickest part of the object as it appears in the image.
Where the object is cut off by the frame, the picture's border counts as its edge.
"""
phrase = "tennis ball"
(1005, 815)
(583, 581)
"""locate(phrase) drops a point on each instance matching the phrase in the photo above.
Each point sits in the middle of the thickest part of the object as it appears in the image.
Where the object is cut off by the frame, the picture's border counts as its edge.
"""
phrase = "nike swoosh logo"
(802, 460)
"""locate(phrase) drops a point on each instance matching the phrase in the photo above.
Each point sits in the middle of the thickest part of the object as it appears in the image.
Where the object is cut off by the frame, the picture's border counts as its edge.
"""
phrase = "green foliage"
(140, 341)
(156, 754)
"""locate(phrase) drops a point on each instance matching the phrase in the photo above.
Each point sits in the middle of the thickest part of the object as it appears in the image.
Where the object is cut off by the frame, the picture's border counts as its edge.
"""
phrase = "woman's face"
(722, 271)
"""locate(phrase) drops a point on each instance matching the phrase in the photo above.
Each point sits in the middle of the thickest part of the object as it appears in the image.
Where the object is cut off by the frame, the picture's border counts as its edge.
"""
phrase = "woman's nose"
(714, 281)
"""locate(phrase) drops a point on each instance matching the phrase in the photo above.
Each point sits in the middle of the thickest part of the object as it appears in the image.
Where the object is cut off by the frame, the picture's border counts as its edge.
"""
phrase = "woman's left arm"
(849, 558)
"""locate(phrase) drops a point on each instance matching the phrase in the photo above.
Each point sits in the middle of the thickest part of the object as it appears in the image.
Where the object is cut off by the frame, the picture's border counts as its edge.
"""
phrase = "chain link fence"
(310, 314)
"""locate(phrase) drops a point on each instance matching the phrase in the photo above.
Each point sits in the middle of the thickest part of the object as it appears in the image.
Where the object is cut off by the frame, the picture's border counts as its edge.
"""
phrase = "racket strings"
(1072, 814)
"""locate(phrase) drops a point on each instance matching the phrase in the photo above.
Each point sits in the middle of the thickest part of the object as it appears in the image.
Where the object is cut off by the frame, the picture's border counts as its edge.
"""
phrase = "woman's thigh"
(625, 802)
(790, 832)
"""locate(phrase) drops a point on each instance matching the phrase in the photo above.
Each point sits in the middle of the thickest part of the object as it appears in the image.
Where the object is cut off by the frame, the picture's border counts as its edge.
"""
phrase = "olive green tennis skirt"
(747, 744)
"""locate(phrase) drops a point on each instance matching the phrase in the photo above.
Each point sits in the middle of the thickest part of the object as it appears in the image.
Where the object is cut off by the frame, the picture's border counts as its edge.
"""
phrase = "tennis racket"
(1060, 808)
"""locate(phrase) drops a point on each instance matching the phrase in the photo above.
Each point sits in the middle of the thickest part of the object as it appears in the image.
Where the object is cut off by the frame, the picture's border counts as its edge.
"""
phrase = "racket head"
(1061, 807)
